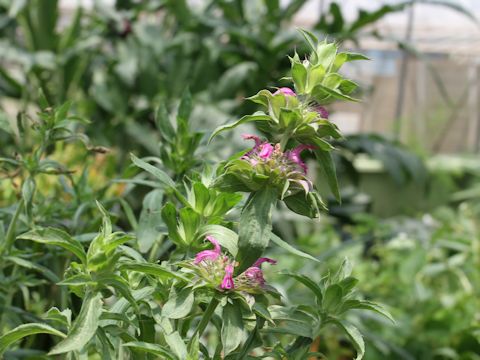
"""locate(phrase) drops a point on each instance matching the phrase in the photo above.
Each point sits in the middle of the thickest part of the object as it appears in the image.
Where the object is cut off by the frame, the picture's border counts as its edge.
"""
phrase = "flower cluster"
(218, 269)
(269, 160)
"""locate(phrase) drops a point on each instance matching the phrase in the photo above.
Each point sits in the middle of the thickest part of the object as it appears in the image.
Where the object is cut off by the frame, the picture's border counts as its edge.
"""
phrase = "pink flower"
(266, 151)
(285, 91)
(261, 260)
(227, 282)
(255, 274)
(322, 112)
(262, 149)
(294, 155)
(211, 255)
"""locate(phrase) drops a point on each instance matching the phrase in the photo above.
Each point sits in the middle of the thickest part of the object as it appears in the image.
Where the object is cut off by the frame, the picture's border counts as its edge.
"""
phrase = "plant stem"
(206, 317)
(10, 236)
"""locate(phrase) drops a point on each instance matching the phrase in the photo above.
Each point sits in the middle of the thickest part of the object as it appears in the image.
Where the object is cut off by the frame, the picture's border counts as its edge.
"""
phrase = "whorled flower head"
(286, 161)
(252, 278)
(218, 269)
(267, 159)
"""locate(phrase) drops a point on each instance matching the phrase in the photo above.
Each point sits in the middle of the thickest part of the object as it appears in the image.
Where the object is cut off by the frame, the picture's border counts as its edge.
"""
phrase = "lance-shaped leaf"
(150, 217)
(24, 330)
(151, 269)
(84, 326)
(258, 116)
(255, 227)
(232, 328)
(286, 246)
(57, 237)
(354, 335)
(327, 166)
(159, 174)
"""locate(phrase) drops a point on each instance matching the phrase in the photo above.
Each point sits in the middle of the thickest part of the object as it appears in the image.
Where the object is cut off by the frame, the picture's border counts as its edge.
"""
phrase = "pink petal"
(211, 255)
(227, 282)
(294, 155)
(285, 91)
(322, 112)
(261, 260)
(215, 243)
(252, 137)
(266, 151)
(255, 274)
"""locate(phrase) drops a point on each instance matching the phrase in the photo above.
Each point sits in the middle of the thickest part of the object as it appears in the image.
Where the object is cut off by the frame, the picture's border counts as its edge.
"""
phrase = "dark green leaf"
(57, 237)
(286, 246)
(179, 303)
(258, 116)
(24, 330)
(84, 326)
(232, 328)
(255, 227)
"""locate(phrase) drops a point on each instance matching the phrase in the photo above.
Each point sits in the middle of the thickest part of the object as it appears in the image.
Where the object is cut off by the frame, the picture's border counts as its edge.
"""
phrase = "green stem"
(10, 236)
(206, 317)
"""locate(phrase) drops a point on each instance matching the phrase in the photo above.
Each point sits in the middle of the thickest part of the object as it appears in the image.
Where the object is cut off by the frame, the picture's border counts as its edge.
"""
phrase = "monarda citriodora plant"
(199, 290)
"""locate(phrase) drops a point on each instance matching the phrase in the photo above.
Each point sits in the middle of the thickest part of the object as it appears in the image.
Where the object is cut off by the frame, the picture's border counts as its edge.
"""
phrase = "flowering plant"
(174, 296)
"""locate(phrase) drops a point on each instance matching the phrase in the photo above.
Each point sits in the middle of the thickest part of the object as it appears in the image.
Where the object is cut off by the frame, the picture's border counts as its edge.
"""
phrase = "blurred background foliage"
(409, 223)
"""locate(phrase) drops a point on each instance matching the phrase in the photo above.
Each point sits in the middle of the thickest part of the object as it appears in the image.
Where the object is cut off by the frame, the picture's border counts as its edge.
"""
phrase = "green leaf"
(333, 298)
(327, 167)
(151, 269)
(57, 237)
(354, 335)
(84, 326)
(189, 223)
(302, 205)
(255, 227)
(202, 196)
(154, 349)
(305, 280)
(312, 40)
(169, 216)
(321, 92)
(184, 109)
(150, 218)
(179, 304)
(173, 339)
(299, 76)
(258, 116)
(315, 77)
(163, 123)
(159, 174)
(368, 305)
(286, 246)
(77, 279)
(49, 274)
(232, 327)
(326, 54)
(226, 237)
(24, 330)
(262, 311)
